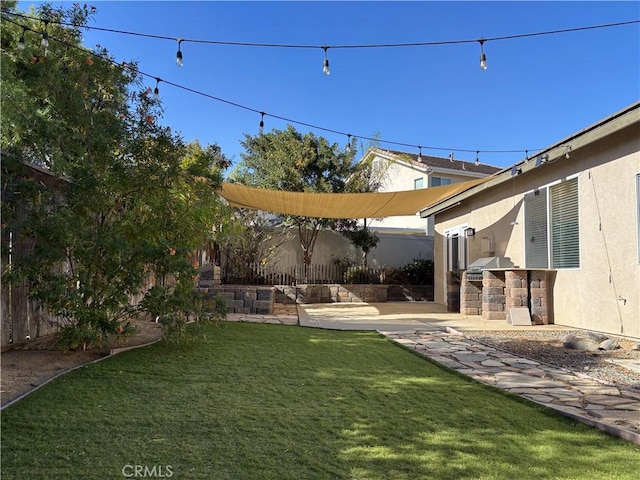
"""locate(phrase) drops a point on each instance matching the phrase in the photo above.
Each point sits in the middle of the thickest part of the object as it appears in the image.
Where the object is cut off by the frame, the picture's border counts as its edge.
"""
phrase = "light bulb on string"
(419, 154)
(477, 157)
(451, 157)
(325, 65)
(179, 61)
(156, 91)
(348, 143)
(45, 36)
(483, 57)
(261, 121)
(22, 42)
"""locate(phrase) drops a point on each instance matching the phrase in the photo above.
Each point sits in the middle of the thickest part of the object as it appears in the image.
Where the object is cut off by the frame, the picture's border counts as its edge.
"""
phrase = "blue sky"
(535, 92)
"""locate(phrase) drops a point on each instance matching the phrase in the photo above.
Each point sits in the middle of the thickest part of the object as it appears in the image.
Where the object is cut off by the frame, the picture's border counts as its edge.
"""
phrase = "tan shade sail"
(341, 205)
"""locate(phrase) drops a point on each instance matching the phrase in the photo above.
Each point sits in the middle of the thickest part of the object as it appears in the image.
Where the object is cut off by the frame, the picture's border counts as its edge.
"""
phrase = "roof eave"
(604, 128)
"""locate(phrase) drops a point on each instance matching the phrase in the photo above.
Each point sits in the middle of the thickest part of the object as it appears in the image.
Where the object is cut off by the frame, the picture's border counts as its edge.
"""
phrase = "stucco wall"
(393, 250)
(603, 294)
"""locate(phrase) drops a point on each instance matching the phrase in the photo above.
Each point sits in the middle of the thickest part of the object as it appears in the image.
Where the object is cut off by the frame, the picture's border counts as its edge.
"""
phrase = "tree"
(288, 160)
(247, 239)
(367, 177)
(137, 201)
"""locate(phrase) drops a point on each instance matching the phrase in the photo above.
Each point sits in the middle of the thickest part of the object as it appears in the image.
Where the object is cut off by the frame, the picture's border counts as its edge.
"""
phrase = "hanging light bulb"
(22, 42)
(483, 57)
(261, 121)
(348, 143)
(45, 36)
(451, 157)
(156, 91)
(419, 154)
(179, 61)
(325, 65)
(477, 157)
(567, 153)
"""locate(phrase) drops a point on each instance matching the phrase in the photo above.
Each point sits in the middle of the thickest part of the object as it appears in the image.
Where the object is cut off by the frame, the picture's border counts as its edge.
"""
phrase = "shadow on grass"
(274, 402)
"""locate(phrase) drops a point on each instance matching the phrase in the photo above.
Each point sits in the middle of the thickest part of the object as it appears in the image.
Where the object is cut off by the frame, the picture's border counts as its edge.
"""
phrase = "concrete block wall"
(502, 289)
(244, 298)
(541, 308)
(334, 293)
(470, 296)
(493, 295)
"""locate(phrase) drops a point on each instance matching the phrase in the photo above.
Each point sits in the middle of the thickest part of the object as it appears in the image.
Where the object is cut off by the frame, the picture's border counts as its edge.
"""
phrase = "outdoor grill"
(474, 270)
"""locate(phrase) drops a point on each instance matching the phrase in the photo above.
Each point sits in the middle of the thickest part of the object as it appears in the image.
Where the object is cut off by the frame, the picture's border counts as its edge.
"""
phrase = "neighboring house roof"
(558, 151)
(436, 163)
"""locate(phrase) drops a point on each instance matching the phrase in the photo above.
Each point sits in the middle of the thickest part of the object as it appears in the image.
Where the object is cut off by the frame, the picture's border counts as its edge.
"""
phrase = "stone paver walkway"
(609, 408)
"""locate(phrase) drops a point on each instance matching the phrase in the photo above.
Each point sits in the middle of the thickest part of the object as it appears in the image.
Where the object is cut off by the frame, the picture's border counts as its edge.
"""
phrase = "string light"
(289, 120)
(45, 36)
(261, 121)
(348, 143)
(483, 57)
(325, 64)
(381, 45)
(567, 152)
(179, 61)
(22, 42)
(156, 91)
(477, 157)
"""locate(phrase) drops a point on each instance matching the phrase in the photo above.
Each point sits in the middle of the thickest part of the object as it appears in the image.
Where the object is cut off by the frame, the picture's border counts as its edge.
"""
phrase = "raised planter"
(337, 293)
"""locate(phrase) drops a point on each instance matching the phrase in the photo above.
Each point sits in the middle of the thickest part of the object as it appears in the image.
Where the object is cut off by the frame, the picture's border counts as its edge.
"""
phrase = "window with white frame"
(552, 226)
(418, 183)
(456, 249)
(439, 181)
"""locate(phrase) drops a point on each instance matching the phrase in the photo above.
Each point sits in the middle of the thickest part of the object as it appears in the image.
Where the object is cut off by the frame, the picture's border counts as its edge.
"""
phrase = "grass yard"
(255, 401)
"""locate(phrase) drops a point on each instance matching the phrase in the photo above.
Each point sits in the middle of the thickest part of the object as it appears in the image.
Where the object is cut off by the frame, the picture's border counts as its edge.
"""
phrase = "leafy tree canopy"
(137, 199)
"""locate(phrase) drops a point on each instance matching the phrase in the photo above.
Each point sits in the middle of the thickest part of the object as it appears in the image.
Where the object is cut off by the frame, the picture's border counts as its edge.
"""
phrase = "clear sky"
(535, 92)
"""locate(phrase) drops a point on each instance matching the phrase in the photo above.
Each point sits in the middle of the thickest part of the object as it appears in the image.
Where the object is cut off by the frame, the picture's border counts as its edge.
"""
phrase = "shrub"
(360, 274)
(419, 272)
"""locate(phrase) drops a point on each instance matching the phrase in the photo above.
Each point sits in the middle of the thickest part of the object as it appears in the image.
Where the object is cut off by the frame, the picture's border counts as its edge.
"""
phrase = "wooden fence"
(21, 318)
(302, 274)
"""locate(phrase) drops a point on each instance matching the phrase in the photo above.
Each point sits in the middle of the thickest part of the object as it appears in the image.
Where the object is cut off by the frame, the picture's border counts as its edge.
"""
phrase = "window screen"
(565, 225)
(535, 229)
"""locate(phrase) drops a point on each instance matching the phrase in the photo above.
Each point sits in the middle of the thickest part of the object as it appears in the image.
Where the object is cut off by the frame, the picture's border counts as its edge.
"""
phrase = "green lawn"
(253, 401)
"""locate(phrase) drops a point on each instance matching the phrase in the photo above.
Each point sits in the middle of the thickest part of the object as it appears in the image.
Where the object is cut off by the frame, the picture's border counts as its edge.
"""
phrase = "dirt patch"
(29, 365)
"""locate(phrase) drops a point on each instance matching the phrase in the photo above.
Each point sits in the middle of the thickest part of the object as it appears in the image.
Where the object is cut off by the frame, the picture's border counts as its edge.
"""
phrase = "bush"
(360, 274)
(419, 272)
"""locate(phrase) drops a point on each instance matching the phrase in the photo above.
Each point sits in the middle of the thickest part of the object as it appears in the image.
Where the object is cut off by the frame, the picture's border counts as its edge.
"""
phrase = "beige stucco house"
(404, 171)
(573, 211)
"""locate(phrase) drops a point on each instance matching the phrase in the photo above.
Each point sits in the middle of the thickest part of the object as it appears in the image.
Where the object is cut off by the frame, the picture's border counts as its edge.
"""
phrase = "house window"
(418, 183)
(552, 227)
(535, 229)
(439, 181)
(456, 249)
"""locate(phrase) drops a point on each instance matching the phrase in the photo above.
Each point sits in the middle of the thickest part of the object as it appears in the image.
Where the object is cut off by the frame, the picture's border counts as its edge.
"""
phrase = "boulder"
(598, 337)
(580, 343)
(608, 344)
